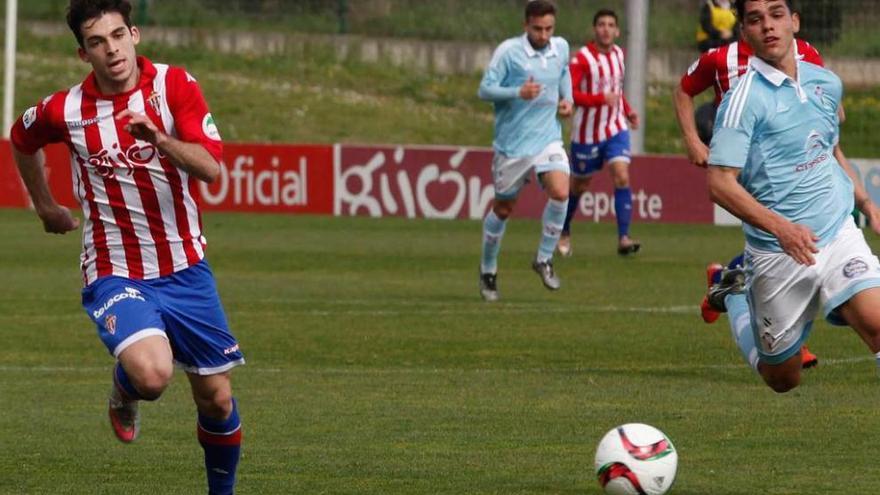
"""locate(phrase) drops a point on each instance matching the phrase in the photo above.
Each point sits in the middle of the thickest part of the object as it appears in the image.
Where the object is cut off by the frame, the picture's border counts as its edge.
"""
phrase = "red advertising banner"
(253, 177)
(408, 181)
(449, 182)
(12, 191)
(272, 178)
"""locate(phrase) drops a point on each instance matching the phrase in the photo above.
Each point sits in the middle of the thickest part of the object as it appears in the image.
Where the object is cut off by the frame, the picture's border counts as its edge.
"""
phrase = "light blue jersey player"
(772, 164)
(529, 83)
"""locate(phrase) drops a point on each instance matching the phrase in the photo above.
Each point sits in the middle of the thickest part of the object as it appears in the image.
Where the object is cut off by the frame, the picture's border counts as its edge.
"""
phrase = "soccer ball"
(636, 459)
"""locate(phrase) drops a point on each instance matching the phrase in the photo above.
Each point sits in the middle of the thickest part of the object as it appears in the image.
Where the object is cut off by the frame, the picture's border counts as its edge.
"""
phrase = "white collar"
(778, 78)
(772, 74)
(531, 52)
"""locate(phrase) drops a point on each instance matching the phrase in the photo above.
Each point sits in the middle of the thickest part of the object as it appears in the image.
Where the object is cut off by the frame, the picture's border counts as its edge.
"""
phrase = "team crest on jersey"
(210, 128)
(110, 324)
(155, 101)
(29, 117)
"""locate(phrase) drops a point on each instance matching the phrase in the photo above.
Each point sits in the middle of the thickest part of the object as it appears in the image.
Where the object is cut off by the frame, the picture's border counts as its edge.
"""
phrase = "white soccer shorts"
(510, 174)
(784, 295)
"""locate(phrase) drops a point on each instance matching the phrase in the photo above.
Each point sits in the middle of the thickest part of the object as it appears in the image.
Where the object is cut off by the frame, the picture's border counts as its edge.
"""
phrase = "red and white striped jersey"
(594, 73)
(722, 67)
(142, 220)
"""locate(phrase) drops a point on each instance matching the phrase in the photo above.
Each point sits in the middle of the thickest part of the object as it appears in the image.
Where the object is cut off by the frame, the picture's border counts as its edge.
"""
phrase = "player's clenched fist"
(58, 220)
(530, 90)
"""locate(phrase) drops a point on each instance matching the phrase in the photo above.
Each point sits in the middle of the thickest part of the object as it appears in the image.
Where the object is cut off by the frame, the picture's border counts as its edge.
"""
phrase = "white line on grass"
(440, 371)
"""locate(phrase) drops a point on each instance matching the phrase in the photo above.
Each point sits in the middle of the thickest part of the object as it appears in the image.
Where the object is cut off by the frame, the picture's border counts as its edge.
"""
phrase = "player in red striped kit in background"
(140, 135)
(721, 69)
(600, 129)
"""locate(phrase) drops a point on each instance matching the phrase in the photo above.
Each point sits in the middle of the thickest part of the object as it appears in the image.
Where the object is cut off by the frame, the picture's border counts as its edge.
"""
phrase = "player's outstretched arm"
(192, 158)
(56, 218)
(797, 241)
(698, 153)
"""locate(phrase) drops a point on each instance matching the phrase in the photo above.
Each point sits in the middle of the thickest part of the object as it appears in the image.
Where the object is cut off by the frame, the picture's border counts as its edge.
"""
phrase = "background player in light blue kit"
(772, 165)
(529, 82)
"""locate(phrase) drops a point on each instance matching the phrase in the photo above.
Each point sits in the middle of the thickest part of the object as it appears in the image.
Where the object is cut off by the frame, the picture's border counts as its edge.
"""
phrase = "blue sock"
(554, 217)
(741, 327)
(623, 202)
(124, 384)
(738, 261)
(493, 232)
(221, 441)
(573, 201)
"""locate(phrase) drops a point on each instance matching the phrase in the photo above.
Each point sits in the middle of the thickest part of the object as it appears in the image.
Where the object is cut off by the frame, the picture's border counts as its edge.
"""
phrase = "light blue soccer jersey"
(782, 134)
(525, 128)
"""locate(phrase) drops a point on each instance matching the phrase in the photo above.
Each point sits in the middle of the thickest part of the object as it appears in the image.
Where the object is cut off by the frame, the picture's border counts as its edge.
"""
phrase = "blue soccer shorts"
(587, 159)
(183, 307)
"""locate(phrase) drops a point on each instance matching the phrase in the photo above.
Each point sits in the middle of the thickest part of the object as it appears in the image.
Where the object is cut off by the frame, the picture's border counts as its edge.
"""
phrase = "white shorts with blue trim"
(510, 174)
(784, 296)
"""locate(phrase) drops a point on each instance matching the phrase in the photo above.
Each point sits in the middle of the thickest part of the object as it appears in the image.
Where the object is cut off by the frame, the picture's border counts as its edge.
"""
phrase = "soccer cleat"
(710, 315)
(733, 281)
(544, 269)
(489, 286)
(123, 416)
(808, 359)
(564, 245)
(627, 246)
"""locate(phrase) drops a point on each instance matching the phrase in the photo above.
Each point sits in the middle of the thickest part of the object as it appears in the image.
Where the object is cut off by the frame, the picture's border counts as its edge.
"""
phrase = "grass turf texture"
(373, 367)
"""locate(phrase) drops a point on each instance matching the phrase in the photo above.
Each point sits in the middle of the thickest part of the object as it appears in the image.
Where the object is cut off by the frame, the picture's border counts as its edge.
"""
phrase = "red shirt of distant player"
(594, 73)
(141, 218)
(722, 67)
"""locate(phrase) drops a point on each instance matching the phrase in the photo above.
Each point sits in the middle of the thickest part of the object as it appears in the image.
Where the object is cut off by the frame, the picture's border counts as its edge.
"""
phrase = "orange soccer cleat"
(710, 314)
(808, 359)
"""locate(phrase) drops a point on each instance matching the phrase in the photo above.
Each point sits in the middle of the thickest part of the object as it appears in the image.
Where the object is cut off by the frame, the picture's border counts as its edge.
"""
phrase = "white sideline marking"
(512, 309)
(440, 371)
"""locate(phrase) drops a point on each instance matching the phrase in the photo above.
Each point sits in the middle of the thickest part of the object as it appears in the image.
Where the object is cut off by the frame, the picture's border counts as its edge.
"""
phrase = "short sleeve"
(735, 123)
(810, 53)
(700, 76)
(35, 128)
(192, 118)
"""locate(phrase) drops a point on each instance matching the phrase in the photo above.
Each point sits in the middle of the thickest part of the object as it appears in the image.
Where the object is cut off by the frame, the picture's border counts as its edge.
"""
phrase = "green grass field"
(374, 368)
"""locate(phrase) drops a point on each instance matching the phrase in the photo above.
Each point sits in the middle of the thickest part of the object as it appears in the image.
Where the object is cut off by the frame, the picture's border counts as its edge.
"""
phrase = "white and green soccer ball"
(636, 459)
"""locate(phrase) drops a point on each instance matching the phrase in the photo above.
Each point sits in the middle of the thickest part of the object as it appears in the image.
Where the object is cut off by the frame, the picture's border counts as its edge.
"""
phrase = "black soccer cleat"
(489, 286)
(544, 269)
(733, 281)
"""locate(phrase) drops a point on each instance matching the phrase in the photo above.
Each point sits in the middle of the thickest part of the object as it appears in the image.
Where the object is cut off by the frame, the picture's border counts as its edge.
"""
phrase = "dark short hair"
(81, 11)
(540, 8)
(741, 8)
(605, 13)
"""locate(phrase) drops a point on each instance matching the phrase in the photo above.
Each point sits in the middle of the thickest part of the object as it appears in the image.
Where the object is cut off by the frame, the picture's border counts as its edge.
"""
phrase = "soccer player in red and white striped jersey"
(721, 69)
(600, 131)
(140, 135)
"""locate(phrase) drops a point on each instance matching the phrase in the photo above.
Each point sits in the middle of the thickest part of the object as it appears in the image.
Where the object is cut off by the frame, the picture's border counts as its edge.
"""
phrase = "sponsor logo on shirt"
(83, 123)
(130, 293)
(106, 161)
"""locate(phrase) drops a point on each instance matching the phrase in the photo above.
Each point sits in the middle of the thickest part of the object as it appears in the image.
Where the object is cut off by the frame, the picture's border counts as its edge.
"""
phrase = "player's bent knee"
(217, 404)
(153, 381)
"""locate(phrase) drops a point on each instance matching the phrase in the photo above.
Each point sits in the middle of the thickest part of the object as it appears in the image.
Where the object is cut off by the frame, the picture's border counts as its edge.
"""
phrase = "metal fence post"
(342, 12)
(637, 66)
